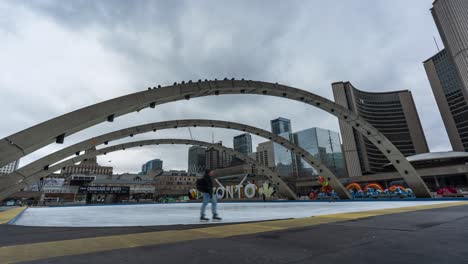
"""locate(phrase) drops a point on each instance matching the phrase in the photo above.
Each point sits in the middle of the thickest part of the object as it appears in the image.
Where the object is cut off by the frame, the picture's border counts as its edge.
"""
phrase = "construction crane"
(190, 131)
(191, 136)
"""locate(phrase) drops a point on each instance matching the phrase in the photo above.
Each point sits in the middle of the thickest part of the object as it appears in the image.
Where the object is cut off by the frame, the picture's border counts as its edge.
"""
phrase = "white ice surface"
(189, 213)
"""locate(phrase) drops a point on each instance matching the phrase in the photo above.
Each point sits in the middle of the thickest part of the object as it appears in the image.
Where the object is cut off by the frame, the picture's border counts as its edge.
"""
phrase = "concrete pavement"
(423, 234)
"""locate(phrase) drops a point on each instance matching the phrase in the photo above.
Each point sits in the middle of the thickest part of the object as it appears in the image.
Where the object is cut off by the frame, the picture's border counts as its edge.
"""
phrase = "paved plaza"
(423, 232)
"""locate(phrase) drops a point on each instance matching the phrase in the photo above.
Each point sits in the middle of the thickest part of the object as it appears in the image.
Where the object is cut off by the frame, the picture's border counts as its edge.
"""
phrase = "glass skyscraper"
(152, 165)
(243, 143)
(196, 159)
(284, 159)
(280, 125)
(325, 145)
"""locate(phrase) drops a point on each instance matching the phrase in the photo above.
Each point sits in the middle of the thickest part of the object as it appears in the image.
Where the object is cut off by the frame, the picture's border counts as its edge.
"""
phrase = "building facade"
(216, 159)
(447, 70)
(438, 170)
(285, 161)
(452, 23)
(88, 166)
(450, 99)
(9, 168)
(196, 159)
(243, 143)
(325, 145)
(152, 165)
(265, 154)
(394, 114)
(140, 188)
(173, 183)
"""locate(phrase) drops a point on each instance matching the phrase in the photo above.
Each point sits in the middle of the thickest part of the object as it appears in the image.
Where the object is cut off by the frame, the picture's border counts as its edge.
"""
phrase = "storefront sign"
(104, 190)
(142, 189)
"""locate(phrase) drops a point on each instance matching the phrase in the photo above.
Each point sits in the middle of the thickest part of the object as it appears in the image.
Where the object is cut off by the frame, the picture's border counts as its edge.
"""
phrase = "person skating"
(205, 185)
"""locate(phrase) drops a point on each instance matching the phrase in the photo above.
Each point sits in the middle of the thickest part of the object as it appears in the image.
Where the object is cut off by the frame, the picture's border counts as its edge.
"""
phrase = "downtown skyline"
(101, 69)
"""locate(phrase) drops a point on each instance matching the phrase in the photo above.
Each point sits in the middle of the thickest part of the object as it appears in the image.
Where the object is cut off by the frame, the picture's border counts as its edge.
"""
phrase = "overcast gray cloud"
(58, 56)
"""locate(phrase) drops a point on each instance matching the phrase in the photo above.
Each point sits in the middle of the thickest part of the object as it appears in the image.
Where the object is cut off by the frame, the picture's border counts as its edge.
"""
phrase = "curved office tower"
(447, 70)
(394, 114)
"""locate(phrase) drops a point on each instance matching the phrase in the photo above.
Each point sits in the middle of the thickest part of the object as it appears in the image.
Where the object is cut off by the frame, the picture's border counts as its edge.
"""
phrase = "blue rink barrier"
(324, 200)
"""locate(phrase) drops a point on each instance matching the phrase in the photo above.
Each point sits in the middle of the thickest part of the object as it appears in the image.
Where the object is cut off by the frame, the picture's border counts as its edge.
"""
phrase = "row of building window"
(88, 170)
(262, 157)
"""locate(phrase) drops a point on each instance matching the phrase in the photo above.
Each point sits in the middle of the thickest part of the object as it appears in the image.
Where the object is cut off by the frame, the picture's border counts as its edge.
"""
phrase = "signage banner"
(53, 182)
(47, 185)
(105, 190)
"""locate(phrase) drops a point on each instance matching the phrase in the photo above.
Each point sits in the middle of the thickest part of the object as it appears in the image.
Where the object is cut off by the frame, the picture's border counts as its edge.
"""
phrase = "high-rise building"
(9, 168)
(449, 96)
(325, 145)
(152, 165)
(265, 154)
(285, 161)
(196, 159)
(447, 70)
(216, 159)
(212, 159)
(280, 125)
(243, 143)
(394, 114)
(452, 23)
(88, 166)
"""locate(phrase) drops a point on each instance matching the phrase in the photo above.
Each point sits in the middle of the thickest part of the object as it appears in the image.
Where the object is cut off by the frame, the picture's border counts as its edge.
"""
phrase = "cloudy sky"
(59, 56)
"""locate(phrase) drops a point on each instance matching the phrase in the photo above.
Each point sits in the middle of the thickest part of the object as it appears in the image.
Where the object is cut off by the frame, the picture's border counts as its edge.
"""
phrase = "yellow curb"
(8, 215)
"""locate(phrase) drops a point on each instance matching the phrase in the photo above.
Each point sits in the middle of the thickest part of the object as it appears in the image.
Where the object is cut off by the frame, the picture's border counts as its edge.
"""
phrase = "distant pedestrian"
(205, 185)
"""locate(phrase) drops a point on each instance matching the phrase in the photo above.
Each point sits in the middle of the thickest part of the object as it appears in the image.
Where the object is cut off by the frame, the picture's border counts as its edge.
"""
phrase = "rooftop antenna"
(212, 136)
(435, 41)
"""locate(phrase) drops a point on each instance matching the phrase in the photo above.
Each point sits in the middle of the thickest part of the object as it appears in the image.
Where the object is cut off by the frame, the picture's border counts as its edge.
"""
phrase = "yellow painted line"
(237, 229)
(8, 215)
(43, 250)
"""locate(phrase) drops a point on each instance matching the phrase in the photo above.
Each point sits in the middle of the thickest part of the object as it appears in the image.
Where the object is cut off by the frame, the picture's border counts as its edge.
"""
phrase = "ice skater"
(205, 185)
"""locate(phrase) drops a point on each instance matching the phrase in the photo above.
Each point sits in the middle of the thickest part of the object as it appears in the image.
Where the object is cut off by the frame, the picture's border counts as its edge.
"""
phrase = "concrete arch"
(282, 186)
(42, 163)
(24, 142)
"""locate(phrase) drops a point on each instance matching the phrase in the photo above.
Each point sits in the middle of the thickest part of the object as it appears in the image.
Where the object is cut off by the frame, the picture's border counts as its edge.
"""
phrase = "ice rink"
(189, 213)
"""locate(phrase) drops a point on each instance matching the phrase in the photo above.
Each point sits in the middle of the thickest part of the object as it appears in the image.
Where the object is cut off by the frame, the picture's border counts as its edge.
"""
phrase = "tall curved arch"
(28, 140)
(283, 187)
(37, 165)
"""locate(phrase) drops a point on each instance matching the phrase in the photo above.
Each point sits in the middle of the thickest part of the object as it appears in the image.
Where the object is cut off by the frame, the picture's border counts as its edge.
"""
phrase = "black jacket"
(206, 185)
